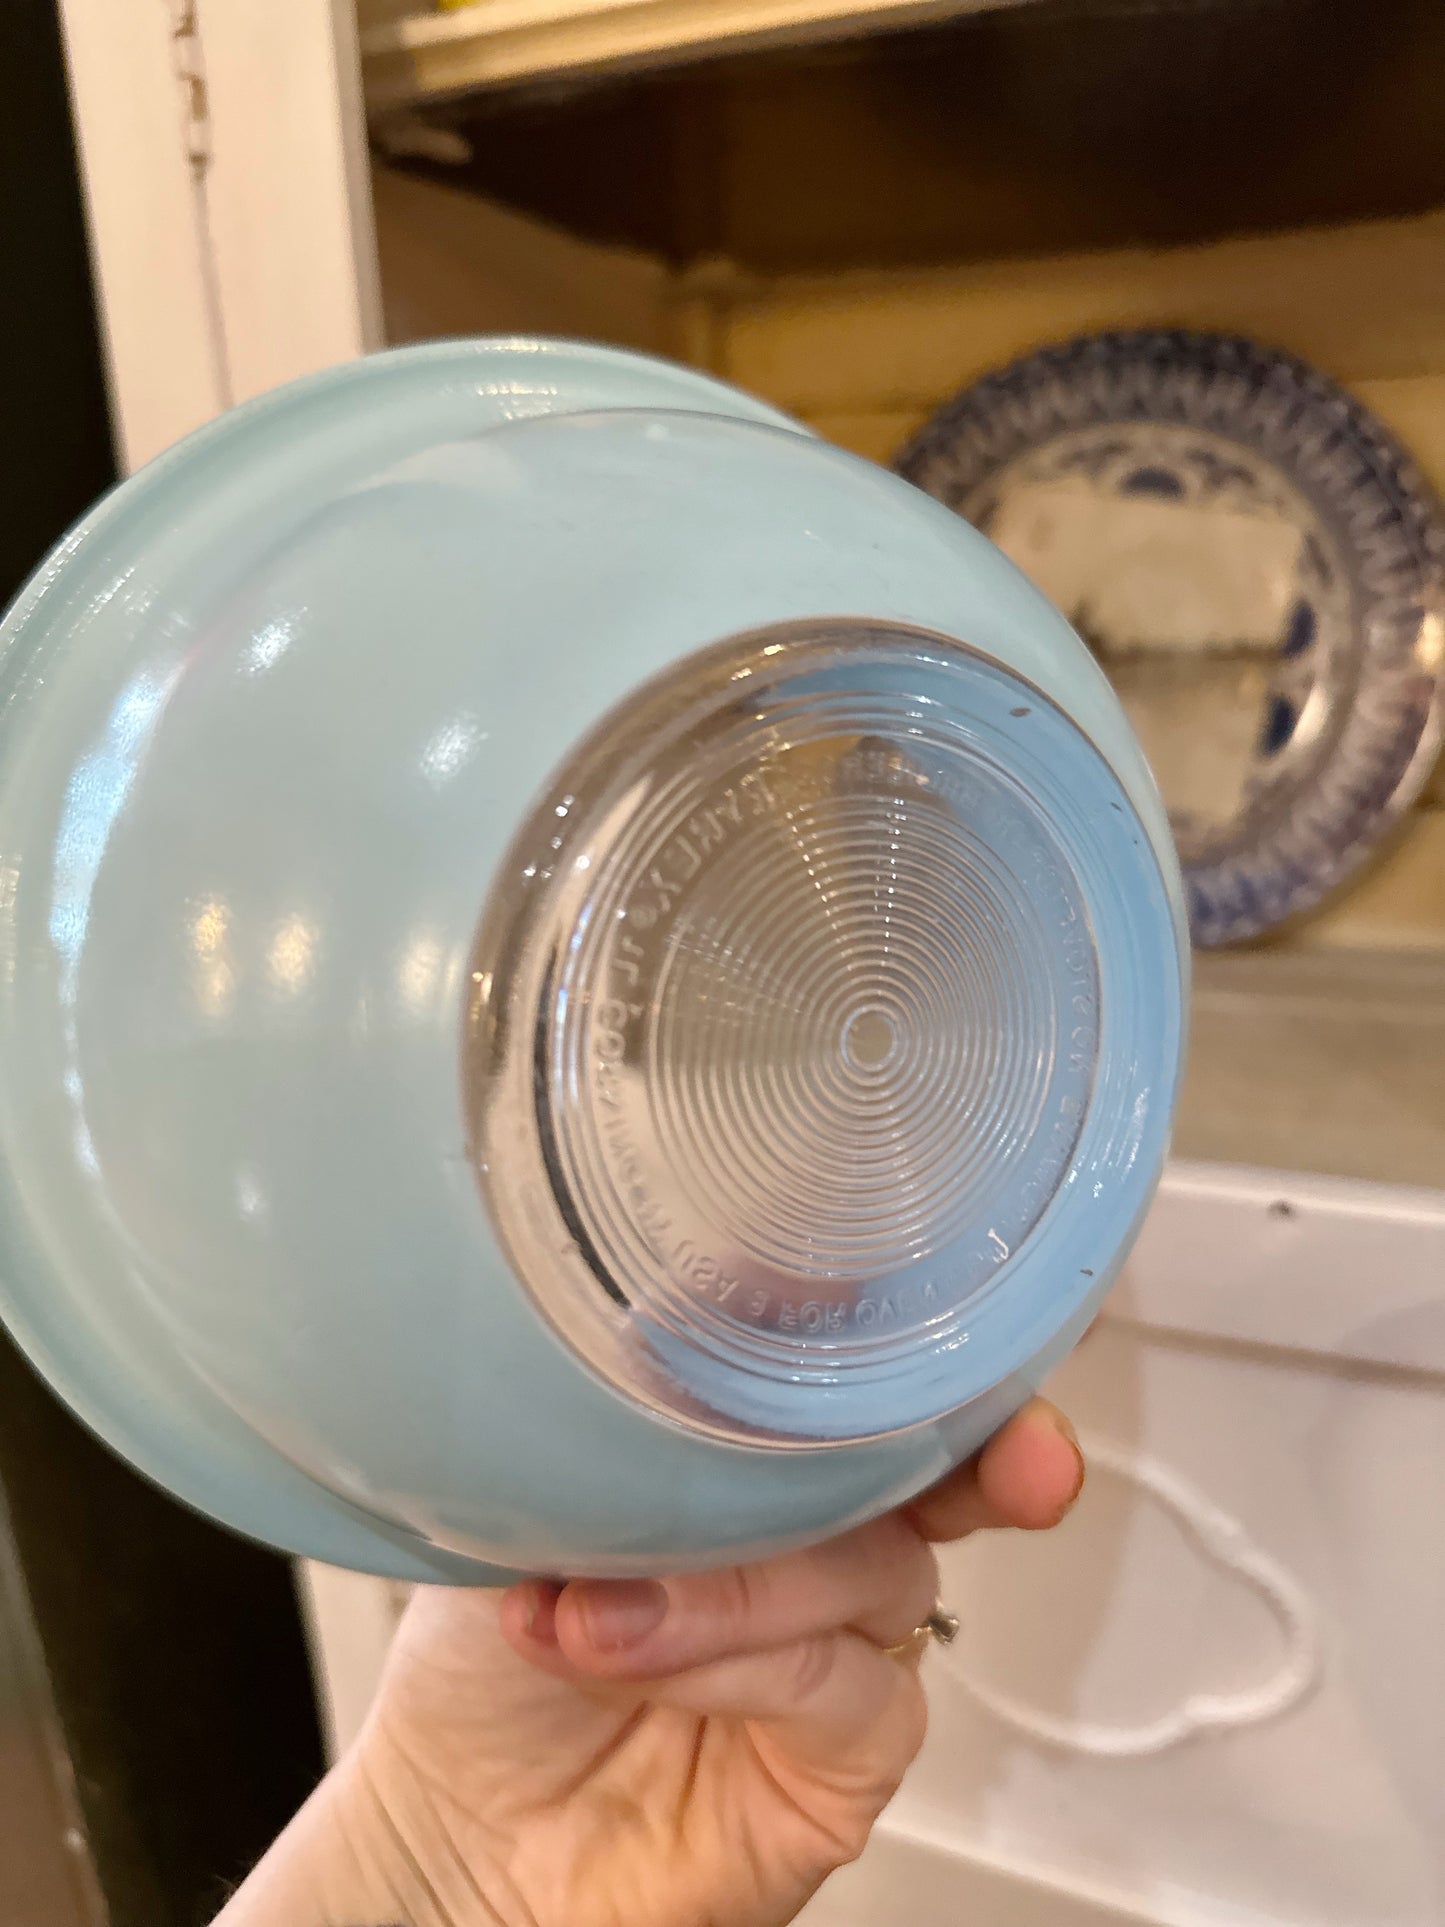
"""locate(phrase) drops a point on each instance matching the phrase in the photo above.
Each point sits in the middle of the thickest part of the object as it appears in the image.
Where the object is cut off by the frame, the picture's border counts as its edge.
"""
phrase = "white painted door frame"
(223, 157)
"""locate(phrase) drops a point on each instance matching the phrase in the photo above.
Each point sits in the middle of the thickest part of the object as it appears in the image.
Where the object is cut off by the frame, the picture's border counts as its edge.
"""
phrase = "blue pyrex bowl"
(589, 983)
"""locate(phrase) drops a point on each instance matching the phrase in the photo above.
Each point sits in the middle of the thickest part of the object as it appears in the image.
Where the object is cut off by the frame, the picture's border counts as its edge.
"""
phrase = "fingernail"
(1071, 1438)
(541, 1622)
(620, 1612)
(1083, 1474)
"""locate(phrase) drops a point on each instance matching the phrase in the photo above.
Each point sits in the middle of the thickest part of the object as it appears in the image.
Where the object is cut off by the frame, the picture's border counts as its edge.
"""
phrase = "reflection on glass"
(215, 978)
(292, 955)
(208, 932)
(450, 748)
(250, 1197)
(94, 798)
(419, 972)
(270, 644)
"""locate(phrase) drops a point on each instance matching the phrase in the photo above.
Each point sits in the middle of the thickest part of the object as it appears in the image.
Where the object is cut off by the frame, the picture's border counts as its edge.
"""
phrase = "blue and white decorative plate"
(1259, 568)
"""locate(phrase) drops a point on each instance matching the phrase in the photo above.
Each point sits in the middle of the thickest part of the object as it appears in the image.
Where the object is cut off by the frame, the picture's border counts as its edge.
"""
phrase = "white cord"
(1226, 1542)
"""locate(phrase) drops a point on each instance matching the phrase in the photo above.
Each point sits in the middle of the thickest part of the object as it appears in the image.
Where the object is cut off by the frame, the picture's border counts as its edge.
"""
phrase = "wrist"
(345, 1861)
(311, 1876)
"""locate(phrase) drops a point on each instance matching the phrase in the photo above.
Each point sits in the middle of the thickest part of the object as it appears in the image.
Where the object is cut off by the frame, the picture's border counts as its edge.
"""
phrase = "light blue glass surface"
(270, 719)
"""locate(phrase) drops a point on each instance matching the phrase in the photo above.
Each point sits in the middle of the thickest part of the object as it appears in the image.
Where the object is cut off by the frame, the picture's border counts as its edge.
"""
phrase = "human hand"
(610, 1753)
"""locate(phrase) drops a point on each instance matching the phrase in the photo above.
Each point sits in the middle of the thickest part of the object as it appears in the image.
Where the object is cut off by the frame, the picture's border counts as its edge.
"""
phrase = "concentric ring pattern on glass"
(788, 1022)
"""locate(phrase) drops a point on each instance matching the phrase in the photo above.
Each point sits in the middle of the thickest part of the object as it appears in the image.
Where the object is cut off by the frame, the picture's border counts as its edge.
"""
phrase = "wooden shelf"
(416, 56)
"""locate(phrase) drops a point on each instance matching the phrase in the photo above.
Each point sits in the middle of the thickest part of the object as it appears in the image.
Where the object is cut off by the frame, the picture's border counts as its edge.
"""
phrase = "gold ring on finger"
(940, 1626)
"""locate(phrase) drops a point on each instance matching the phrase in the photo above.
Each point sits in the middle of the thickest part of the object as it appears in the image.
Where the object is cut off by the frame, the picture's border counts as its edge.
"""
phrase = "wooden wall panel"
(455, 264)
(1365, 303)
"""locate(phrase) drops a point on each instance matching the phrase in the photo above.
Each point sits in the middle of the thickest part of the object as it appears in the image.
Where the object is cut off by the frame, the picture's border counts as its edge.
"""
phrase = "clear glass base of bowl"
(786, 1026)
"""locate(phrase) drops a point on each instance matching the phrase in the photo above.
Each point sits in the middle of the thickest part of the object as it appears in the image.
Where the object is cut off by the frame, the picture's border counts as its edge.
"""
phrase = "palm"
(695, 1754)
(599, 1806)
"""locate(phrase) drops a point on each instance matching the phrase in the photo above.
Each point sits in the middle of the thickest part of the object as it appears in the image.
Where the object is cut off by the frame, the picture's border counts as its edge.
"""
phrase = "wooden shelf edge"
(421, 56)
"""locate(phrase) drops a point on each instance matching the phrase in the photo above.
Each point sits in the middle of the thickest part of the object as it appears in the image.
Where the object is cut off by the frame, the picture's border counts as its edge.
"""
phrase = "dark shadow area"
(1043, 127)
(177, 1659)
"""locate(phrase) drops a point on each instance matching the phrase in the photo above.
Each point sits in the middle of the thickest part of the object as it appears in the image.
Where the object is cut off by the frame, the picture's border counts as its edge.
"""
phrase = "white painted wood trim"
(164, 362)
(906, 1877)
(1328, 1266)
(422, 54)
(223, 159)
(288, 188)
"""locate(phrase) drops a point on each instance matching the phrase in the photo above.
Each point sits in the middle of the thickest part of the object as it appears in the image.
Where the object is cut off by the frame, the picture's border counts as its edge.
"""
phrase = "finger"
(1028, 1475)
(833, 1699)
(879, 1581)
(835, 1703)
(833, 1723)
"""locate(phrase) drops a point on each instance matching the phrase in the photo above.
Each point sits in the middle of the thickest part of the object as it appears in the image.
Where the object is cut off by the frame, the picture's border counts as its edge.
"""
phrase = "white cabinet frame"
(223, 159)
